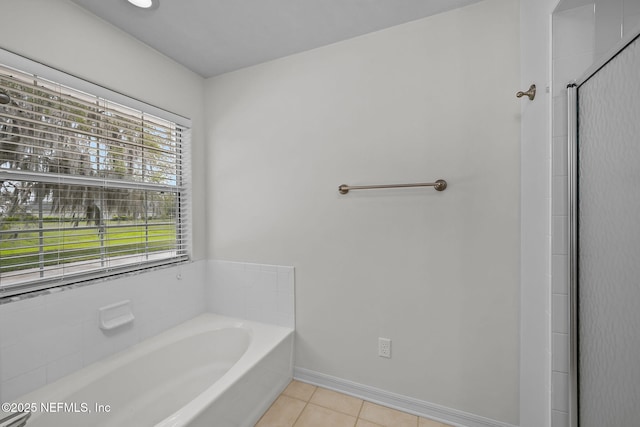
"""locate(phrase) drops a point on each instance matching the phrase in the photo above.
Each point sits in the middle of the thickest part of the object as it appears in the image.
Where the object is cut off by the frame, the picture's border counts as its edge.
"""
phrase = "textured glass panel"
(609, 243)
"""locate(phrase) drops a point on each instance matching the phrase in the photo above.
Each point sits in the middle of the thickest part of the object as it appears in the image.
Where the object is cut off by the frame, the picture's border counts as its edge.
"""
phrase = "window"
(88, 187)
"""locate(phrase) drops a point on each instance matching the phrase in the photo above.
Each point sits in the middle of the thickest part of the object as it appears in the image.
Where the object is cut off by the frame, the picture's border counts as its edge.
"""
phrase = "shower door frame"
(573, 240)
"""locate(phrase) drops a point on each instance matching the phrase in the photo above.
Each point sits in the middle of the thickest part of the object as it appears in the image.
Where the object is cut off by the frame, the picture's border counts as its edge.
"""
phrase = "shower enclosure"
(604, 242)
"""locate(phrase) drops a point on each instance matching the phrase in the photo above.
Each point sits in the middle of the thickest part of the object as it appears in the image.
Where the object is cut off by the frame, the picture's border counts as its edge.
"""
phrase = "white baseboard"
(397, 401)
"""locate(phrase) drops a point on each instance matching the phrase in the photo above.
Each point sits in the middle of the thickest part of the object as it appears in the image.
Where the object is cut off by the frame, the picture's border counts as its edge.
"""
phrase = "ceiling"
(212, 37)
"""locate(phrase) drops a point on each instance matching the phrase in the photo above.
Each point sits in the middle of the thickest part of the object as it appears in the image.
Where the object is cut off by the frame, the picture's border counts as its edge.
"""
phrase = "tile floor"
(305, 405)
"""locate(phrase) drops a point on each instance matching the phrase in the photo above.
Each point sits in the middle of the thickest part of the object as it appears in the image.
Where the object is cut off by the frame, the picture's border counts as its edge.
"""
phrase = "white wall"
(535, 298)
(438, 273)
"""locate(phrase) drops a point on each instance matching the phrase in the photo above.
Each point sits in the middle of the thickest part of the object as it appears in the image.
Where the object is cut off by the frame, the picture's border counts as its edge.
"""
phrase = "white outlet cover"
(384, 347)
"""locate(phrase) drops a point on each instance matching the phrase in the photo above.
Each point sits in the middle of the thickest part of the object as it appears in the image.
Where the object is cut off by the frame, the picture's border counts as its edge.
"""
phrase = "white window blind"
(88, 187)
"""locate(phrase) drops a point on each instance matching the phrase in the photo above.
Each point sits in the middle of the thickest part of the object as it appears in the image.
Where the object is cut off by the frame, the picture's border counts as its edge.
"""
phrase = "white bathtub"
(209, 371)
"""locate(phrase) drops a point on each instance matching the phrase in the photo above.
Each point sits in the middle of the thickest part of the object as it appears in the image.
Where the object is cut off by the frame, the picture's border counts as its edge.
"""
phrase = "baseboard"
(397, 401)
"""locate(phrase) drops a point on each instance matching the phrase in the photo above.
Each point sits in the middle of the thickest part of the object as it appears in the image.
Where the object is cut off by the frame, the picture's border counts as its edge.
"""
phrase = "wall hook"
(531, 93)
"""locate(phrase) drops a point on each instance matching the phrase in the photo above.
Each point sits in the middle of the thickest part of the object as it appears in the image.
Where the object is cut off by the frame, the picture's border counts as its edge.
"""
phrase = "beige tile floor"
(305, 405)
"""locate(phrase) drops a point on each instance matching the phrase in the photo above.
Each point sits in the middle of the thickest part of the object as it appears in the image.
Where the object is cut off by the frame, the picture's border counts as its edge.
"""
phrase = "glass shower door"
(606, 244)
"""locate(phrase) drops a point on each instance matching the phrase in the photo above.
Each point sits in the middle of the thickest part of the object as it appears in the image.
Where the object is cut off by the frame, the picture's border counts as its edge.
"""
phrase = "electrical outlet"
(384, 347)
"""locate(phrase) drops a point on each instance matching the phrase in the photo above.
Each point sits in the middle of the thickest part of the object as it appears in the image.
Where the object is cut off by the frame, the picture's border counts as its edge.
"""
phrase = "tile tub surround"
(50, 336)
(258, 292)
(305, 405)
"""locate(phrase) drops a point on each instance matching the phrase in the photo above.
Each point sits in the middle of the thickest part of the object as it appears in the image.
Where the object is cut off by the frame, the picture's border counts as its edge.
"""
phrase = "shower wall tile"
(560, 112)
(23, 384)
(22, 357)
(567, 70)
(630, 17)
(560, 313)
(559, 273)
(559, 230)
(560, 155)
(574, 31)
(54, 334)
(559, 193)
(559, 419)
(560, 349)
(64, 366)
(608, 25)
(259, 292)
(560, 391)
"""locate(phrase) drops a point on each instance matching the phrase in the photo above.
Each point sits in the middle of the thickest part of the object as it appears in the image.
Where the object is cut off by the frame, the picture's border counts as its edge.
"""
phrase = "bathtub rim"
(263, 338)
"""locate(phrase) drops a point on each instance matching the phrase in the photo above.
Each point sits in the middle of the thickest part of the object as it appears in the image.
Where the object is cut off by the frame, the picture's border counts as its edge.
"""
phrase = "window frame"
(183, 188)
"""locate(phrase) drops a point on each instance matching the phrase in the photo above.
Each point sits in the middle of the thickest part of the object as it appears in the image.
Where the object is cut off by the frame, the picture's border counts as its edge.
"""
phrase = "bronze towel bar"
(439, 185)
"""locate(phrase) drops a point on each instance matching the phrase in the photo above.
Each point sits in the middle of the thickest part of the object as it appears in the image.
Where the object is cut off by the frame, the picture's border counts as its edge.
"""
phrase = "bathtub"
(209, 371)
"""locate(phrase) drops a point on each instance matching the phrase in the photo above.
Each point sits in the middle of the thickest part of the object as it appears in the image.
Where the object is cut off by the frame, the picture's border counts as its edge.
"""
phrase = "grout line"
(357, 417)
(312, 394)
(359, 412)
(300, 414)
(306, 403)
